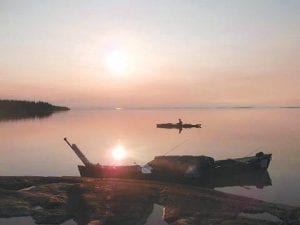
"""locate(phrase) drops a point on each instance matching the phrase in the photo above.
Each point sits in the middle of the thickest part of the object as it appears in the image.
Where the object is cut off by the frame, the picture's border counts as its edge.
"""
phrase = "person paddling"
(180, 122)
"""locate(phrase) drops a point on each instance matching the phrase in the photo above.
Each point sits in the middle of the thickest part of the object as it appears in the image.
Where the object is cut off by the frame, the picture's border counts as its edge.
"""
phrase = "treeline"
(18, 109)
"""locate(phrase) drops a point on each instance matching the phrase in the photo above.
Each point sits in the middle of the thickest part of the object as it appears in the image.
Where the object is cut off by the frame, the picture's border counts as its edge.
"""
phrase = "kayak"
(177, 125)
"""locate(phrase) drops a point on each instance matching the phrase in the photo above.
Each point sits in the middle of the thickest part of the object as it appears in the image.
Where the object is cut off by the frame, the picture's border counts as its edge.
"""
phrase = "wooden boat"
(101, 171)
(177, 125)
(203, 167)
(200, 170)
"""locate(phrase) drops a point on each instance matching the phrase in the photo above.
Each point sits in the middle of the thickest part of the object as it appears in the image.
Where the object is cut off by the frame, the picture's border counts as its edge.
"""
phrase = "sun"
(119, 153)
(117, 62)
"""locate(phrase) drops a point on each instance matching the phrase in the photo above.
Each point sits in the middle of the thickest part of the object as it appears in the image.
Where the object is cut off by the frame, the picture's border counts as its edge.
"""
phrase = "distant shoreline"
(185, 108)
(19, 109)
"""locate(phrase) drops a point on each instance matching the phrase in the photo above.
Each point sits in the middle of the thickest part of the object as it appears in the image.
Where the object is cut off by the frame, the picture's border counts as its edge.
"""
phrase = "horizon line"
(184, 107)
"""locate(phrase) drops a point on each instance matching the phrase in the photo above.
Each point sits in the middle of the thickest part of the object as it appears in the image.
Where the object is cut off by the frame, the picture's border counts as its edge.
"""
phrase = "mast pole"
(77, 151)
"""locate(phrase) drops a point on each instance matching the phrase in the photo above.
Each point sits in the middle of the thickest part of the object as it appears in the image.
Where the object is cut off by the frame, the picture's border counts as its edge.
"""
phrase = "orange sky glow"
(145, 54)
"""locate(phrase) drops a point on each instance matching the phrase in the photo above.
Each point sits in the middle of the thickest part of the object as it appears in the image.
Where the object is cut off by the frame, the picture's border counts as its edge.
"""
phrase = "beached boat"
(202, 170)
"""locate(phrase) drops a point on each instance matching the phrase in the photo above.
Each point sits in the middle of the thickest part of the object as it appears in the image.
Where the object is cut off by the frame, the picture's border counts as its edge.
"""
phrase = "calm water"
(36, 147)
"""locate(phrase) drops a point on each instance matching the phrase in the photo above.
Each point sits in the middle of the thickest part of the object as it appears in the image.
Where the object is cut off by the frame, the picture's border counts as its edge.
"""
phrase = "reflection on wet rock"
(128, 202)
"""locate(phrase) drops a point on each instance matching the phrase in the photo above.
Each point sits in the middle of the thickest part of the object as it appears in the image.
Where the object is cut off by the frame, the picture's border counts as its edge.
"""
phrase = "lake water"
(36, 147)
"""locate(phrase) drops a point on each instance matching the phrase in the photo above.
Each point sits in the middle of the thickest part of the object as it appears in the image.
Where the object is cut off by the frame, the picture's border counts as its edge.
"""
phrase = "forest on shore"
(15, 109)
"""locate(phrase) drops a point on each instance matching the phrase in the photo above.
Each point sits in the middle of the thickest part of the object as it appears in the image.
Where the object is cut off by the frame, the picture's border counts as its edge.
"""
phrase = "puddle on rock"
(27, 189)
(157, 216)
(27, 220)
(260, 216)
(17, 220)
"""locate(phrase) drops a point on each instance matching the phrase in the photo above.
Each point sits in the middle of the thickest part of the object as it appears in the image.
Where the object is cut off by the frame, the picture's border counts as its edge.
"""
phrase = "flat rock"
(129, 202)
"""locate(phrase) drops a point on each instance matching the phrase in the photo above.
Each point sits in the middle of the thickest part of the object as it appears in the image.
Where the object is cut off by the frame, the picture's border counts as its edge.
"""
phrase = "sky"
(151, 53)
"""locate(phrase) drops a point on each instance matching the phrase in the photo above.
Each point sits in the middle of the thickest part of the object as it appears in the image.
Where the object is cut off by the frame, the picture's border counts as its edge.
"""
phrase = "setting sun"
(91, 96)
(117, 62)
(119, 152)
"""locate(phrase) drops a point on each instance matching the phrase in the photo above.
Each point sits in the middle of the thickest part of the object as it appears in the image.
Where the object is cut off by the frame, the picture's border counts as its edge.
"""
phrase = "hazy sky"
(151, 53)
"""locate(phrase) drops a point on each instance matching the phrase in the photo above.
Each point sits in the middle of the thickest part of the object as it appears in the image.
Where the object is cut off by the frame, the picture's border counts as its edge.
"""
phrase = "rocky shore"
(54, 200)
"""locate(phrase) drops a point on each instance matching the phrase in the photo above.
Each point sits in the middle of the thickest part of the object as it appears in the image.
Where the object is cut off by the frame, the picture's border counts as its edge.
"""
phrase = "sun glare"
(119, 152)
(117, 62)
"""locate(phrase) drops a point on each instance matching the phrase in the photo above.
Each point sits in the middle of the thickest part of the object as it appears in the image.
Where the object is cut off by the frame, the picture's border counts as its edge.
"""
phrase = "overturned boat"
(199, 170)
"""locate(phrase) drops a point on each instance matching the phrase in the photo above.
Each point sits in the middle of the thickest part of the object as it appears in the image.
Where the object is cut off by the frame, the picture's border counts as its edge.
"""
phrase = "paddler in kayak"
(180, 122)
(179, 125)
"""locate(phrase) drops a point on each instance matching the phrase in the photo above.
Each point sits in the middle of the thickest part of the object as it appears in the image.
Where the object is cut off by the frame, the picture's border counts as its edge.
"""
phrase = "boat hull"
(210, 179)
(260, 161)
(97, 171)
(231, 172)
